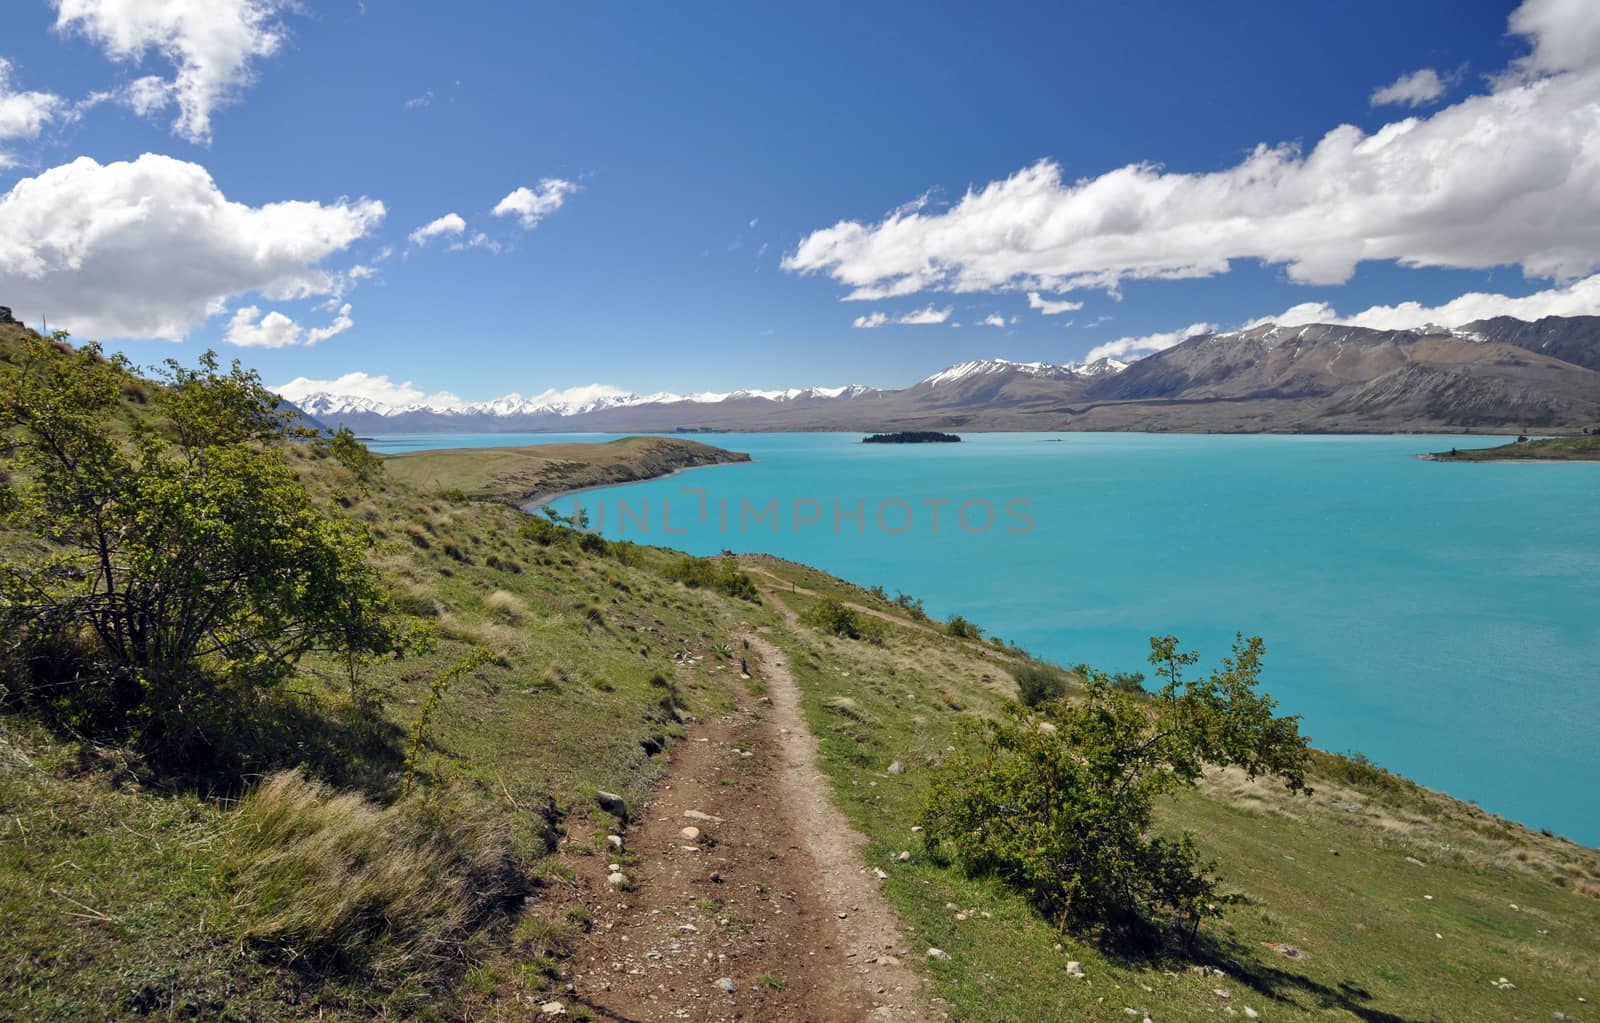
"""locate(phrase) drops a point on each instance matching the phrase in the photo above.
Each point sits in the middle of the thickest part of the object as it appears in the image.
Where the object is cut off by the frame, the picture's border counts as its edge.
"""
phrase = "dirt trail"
(771, 899)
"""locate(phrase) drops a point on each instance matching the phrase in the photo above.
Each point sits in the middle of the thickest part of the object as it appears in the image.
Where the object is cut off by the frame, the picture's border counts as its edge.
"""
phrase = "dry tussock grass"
(344, 884)
(506, 606)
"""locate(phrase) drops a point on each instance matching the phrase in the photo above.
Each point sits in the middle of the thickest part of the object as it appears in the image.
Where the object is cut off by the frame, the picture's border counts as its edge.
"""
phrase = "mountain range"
(1499, 374)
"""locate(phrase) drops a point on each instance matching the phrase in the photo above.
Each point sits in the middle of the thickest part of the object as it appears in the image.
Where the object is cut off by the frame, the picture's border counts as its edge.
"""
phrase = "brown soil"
(773, 896)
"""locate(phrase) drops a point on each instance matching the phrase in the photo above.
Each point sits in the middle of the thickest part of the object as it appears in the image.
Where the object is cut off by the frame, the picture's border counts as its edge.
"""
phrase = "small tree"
(187, 562)
(1059, 800)
(354, 456)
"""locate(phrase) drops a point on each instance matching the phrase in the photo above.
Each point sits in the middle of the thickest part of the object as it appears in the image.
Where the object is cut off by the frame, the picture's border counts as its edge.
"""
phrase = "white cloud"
(213, 46)
(250, 329)
(917, 317)
(1124, 347)
(992, 320)
(340, 324)
(479, 240)
(1051, 308)
(926, 315)
(147, 96)
(424, 100)
(1581, 298)
(24, 114)
(152, 248)
(1508, 177)
(531, 205)
(361, 385)
(1565, 34)
(450, 223)
(1413, 90)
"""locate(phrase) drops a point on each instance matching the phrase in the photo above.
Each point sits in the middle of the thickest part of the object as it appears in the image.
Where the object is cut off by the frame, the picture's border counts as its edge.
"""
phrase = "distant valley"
(1499, 374)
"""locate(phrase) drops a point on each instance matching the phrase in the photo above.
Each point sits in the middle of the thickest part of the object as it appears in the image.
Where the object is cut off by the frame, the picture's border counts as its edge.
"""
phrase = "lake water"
(1442, 619)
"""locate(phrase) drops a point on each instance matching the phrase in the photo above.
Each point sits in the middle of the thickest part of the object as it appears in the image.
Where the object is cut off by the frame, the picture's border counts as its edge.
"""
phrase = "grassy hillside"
(531, 474)
(1584, 448)
(131, 890)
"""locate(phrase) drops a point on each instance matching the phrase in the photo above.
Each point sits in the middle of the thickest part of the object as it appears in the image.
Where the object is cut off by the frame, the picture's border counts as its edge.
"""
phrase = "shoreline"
(537, 501)
(1503, 461)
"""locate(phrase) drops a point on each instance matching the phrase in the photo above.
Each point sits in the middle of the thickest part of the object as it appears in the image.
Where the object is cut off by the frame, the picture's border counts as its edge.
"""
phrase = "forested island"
(913, 437)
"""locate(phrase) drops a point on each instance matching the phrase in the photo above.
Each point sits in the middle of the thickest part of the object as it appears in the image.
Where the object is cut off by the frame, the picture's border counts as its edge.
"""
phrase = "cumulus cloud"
(152, 247)
(1136, 347)
(416, 102)
(1049, 307)
(531, 205)
(450, 223)
(362, 385)
(1565, 34)
(250, 329)
(24, 114)
(917, 317)
(1413, 90)
(992, 320)
(212, 45)
(1507, 177)
(1580, 298)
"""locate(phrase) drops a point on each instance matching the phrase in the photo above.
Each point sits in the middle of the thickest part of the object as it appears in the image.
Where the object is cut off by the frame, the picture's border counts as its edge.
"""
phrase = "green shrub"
(838, 619)
(830, 616)
(712, 574)
(346, 886)
(1038, 682)
(1059, 801)
(960, 628)
(191, 551)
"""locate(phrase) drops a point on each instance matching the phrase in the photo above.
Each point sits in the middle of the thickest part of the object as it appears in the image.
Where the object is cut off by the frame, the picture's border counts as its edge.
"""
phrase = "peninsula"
(540, 473)
(1582, 448)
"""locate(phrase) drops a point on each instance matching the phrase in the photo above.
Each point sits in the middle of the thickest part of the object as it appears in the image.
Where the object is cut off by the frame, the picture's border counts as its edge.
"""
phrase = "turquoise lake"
(1442, 619)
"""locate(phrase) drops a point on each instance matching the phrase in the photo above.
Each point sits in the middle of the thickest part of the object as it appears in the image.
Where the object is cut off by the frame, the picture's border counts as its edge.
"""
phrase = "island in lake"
(1580, 448)
(913, 437)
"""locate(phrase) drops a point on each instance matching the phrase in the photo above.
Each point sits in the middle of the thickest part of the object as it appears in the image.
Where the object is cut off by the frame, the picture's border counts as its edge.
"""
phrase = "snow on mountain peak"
(572, 401)
(988, 367)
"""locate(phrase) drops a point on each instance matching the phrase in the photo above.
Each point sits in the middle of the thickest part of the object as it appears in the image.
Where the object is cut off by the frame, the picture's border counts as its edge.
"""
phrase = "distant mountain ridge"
(1494, 374)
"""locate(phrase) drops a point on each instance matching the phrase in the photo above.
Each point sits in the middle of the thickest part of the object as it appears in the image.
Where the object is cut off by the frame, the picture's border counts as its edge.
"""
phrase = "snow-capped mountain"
(1496, 373)
(574, 401)
(1050, 371)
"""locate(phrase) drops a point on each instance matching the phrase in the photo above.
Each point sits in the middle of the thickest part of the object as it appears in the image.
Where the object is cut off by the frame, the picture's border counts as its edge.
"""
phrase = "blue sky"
(688, 157)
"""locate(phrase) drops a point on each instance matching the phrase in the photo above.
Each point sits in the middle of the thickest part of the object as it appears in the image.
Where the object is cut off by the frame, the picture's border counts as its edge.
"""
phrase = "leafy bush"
(830, 616)
(1038, 682)
(354, 456)
(347, 886)
(960, 628)
(912, 605)
(1058, 801)
(191, 568)
(713, 575)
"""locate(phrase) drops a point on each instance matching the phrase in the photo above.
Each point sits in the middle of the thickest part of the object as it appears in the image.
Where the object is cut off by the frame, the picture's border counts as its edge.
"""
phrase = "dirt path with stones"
(765, 911)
